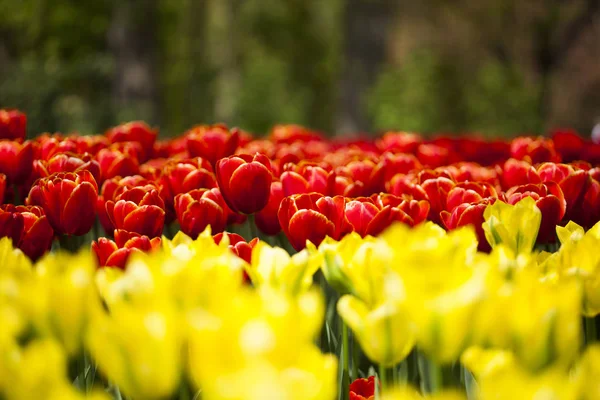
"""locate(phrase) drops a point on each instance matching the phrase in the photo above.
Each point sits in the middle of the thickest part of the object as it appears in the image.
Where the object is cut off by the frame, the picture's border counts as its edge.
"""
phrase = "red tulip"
(49, 145)
(116, 253)
(66, 162)
(183, 176)
(245, 182)
(432, 155)
(135, 131)
(362, 389)
(293, 133)
(90, 144)
(28, 228)
(359, 173)
(116, 162)
(517, 173)
(200, 208)
(554, 172)
(307, 178)
(371, 216)
(266, 219)
(549, 199)
(111, 189)
(405, 185)
(469, 214)
(312, 217)
(68, 200)
(568, 144)
(388, 166)
(469, 192)
(16, 160)
(238, 245)
(212, 142)
(533, 150)
(13, 125)
(139, 209)
(399, 142)
(437, 190)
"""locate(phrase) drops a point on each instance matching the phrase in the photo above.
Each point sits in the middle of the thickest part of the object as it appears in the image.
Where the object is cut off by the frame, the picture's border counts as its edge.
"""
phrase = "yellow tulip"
(260, 344)
(407, 393)
(138, 348)
(572, 232)
(66, 283)
(443, 286)
(578, 257)
(384, 331)
(357, 266)
(39, 370)
(588, 372)
(516, 226)
(273, 266)
(517, 383)
(487, 362)
(538, 320)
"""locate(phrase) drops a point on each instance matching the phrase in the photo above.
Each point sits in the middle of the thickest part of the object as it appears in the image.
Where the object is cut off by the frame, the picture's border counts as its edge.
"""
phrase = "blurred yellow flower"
(273, 266)
(138, 348)
(66, 283)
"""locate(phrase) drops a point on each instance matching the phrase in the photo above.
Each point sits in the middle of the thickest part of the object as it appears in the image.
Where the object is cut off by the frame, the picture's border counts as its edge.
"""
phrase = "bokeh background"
(499, 67)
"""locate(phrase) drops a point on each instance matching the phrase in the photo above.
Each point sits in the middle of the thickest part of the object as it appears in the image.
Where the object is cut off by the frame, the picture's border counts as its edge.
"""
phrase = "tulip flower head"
(245, 182)
(515, 225)
(68, 200)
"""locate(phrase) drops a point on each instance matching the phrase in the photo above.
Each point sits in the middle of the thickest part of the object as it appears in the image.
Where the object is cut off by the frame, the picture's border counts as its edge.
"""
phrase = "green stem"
(69, 243)
(383, 378)
(436, 377)
(253, 228)
(355, 358)
(590, 330)
(346, 361)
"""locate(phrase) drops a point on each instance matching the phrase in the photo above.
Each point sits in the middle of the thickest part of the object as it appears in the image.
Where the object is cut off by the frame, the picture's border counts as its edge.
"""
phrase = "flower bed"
(216, 265)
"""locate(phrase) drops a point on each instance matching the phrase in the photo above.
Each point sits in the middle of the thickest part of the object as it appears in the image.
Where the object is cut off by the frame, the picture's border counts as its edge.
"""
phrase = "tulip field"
(222, 265)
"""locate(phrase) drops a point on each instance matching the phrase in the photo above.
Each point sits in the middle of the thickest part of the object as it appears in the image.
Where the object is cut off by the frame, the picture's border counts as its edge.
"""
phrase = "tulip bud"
(362, 389)
(68, 200)
(245, 182)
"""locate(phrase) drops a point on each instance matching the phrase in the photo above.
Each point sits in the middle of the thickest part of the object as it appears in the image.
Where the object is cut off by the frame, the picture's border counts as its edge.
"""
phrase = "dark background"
(500, 67)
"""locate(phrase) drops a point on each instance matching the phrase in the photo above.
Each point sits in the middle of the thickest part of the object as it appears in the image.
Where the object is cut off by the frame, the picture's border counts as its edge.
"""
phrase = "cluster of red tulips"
(294, 181)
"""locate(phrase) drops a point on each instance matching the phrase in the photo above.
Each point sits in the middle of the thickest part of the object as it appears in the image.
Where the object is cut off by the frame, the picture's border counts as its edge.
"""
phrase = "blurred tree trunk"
(552, 50)
(367, 26)
(132, 41)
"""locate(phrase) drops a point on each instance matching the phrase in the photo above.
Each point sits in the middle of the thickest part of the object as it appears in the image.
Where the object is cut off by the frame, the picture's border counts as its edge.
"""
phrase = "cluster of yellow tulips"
(419, 307)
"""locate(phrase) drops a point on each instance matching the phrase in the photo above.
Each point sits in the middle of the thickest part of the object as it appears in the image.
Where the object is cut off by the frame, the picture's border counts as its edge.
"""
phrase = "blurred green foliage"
(430, 94)
(250, 63)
